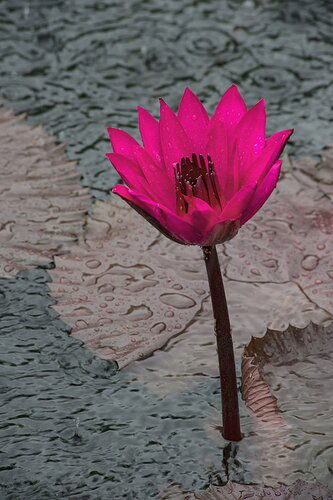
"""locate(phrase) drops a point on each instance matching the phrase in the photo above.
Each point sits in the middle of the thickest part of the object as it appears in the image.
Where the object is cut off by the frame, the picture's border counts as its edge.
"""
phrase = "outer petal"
(194, 119)
(222, 231)
(230, 109)
(238, 204)
(174, 141)
(217, 149)
(123, 143)
(271, 152)
(166, 221)
(264, 190)
(250, 134)
(149, 131)
(130, 172)
(160, 186)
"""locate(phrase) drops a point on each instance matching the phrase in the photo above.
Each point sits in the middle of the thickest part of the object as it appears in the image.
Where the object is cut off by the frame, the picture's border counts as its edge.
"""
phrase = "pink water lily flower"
(199, 179)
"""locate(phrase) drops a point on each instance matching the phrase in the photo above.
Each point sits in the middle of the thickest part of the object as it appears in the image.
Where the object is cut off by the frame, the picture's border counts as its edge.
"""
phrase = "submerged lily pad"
(117, 291)
(300, 490)
(42, 205)
(279, 349)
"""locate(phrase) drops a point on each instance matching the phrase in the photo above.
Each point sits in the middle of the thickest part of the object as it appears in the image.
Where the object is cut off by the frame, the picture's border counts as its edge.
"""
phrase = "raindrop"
(104, 321)
(139, 313)
(80, 323)
(310, 262)
(93, 264)
(169, 314)
(256, 272)
(270, 263)
(158, 328)
(177, 300)
(177, 286)
(105, 288)
(82, 311)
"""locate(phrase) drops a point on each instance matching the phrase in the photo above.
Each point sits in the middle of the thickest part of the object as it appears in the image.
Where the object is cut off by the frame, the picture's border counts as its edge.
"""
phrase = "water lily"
(198, 180)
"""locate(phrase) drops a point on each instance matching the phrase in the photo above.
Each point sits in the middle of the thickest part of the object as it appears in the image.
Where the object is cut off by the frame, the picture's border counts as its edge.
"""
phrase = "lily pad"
(317, 171)
(116, 286)
(127, 290)
(42, 204)
(290, 240)
(300, 490)
(275, 349)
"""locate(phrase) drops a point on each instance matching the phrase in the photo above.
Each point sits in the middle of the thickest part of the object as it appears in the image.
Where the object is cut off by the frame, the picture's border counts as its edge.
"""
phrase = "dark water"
(130, 442)
(78, 66)
(70, 426)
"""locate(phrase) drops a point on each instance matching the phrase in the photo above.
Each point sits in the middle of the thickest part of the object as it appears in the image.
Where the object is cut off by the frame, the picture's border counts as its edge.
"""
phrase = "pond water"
(71, 425)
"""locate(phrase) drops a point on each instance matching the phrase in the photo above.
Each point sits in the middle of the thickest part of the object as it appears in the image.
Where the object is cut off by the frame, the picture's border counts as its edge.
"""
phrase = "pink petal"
(194, 119)
(238, 203)
(264, 190)
(221, 232)
(149, 131)
(174, 141)
(160, 216)
(250, 134)
(217, 149)
(122, 142)
(200, 213)
(129, 171)
(230, 109)
(271, 152)
(159, 184)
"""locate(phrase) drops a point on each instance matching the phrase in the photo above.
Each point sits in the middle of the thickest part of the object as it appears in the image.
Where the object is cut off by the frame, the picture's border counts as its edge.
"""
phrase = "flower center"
(196, 177)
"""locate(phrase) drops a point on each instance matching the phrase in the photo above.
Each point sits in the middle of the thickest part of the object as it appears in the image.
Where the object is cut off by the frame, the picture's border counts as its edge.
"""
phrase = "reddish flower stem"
(230, 411)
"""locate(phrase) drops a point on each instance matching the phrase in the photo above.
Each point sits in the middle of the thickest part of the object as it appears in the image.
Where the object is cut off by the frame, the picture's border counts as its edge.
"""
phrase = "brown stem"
(230, 411)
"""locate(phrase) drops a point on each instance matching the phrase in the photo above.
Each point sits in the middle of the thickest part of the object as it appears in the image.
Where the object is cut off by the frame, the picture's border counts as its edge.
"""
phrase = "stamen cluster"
(196, 177)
